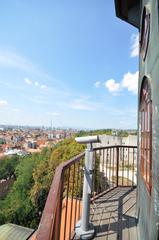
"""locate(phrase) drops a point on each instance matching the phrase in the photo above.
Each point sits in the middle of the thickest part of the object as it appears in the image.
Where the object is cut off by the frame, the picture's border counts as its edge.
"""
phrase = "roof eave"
(128, 11)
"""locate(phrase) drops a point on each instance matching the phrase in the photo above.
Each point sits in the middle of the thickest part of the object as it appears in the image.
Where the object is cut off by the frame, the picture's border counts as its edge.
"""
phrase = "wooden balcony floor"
(113, 215)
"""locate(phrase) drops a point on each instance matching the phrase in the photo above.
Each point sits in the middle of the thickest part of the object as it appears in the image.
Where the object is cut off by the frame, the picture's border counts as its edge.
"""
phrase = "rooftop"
(14, 232)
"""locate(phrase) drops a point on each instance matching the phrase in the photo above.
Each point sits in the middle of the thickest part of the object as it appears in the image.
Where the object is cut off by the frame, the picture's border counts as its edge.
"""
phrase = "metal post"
(87, 187)
(117, 166)
(84, 229)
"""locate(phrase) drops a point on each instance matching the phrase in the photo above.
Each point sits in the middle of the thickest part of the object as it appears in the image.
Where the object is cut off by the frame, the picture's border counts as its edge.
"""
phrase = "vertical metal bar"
(113, 169)
(110, 167)
(79, 209)
(59, 213)
(106, 168)
(128, 168)
(105, 182)
(57, 229)
(102, 185)
(87, 186)
(133, 169)
(93, 175)
(76, 193)
(94, 171)
(68, 183)
(56, 225)
(72, 200)
(122, 165)
(117, 166)
(103, 161)
(98, 173)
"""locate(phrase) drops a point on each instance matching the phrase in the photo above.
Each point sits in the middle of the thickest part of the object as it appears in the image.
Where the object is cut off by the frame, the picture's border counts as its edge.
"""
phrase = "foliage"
(17, 207)
(2, 141)
(120, 133)
(123, 133)
(44, 173)
(8, 166)
(33, 176)
(94, 132)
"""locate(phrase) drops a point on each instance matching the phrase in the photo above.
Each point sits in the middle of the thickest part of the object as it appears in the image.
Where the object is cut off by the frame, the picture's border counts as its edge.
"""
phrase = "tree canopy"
(33, 176)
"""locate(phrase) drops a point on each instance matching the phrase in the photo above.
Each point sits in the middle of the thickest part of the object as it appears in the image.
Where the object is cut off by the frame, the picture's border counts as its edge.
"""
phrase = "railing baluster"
(76, 193)
(72, 200)
(59, 211)
(110, 167)
(117, 166)
(68, 183)
(103, 181)
(107, 168)
(113, 169)
(128, 168)
(133, 169)
(81, 185)
(122, 165)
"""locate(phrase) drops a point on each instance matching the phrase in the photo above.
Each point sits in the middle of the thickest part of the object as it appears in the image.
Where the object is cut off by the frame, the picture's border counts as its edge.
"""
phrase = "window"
(146, 133)
(145, 32)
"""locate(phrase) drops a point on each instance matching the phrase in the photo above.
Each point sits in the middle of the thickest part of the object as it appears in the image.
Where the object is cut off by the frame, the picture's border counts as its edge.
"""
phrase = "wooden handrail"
(45, 228)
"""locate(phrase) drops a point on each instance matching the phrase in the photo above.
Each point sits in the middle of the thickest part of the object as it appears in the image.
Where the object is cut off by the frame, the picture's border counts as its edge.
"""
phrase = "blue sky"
(72, 62)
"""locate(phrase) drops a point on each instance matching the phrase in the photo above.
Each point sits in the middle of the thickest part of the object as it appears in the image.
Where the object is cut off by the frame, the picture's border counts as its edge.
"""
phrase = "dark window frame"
(145, 32)
(145, 111)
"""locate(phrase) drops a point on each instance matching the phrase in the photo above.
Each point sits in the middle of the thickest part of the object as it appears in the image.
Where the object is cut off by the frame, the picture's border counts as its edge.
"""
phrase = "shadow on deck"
(113, 215)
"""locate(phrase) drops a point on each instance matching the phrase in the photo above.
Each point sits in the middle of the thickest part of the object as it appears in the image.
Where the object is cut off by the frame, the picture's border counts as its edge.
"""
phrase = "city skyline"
(63, 61)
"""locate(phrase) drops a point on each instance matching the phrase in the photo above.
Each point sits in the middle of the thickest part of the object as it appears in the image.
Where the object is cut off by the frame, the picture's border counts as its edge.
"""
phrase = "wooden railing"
(113, 166)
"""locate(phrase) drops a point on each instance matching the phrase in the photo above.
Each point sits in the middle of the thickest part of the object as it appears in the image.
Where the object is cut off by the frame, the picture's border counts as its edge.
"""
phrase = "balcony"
(112, 205)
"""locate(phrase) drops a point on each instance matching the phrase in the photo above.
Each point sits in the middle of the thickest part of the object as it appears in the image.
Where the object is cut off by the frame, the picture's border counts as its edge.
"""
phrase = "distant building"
(32, 144)
(109, 140)
(18, 152)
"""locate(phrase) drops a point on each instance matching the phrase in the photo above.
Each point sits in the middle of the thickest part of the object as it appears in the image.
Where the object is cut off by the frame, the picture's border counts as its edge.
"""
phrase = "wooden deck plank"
(113, 215)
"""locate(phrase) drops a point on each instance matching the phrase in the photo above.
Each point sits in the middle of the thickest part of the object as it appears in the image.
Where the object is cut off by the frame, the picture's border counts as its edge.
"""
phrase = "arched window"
(146, 133)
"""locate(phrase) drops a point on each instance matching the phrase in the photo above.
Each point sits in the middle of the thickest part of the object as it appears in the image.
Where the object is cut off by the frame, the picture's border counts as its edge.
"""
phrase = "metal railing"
(113, 166)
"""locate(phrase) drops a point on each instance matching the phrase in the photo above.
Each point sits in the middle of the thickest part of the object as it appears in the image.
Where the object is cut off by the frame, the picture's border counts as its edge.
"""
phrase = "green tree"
(8, 166)
(44, 173)
(33, 176)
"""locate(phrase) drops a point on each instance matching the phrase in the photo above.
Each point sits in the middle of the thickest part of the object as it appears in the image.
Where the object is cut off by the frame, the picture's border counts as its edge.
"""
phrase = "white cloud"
(112, 86)
(55, 114)
(97, 84)
(43, 86)
(3, 103)
(13, 60)
(16, 110)
(28, 81)
(134, 45)
(83, 103)
(130, 81)
(36, 84)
